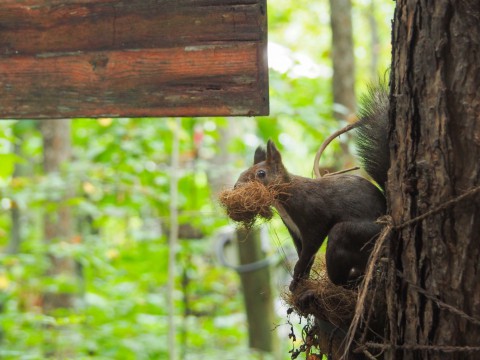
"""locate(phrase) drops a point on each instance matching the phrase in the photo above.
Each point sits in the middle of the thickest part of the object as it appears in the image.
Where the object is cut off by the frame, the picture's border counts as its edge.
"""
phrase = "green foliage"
(118, 184)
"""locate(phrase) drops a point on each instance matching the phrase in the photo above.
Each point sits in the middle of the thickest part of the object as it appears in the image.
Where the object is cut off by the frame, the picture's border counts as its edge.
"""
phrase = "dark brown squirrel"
(343, 207)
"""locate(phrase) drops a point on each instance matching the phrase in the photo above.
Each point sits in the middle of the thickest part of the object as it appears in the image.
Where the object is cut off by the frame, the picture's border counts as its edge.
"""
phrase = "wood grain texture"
(96, 58)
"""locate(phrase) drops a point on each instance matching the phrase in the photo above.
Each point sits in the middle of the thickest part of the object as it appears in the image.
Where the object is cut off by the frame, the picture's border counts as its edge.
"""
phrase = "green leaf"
(7, 164)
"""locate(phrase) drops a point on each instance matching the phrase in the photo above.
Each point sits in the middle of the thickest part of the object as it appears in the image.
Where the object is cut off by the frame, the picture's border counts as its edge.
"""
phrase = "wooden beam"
(98, 58)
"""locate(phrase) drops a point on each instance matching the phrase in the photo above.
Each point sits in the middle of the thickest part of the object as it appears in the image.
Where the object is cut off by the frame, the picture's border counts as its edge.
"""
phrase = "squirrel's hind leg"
(348, 249)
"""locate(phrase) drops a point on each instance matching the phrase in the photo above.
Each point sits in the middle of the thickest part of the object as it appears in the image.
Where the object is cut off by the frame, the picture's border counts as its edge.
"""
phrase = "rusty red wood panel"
(93, 58)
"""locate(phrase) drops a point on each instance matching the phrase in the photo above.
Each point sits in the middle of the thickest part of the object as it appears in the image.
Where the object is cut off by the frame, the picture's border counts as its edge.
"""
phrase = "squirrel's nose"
(238, 184)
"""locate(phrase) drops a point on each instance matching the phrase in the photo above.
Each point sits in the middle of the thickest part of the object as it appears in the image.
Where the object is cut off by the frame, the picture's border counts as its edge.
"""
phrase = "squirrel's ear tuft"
(272, 152)
(260, 155)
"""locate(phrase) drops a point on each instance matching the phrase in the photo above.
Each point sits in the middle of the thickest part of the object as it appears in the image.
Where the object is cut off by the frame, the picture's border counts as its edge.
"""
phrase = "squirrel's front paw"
(294, 284)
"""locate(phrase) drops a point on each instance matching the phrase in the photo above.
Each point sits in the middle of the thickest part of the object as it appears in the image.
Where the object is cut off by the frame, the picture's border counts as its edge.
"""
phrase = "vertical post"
(57, 225)
(256, 291)
(173, 239)
(15, 235)
(58, 228)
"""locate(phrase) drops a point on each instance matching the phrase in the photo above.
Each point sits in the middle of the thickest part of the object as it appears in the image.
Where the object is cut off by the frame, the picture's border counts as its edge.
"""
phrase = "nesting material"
(250, 201)
(329, 303)
(318, 296)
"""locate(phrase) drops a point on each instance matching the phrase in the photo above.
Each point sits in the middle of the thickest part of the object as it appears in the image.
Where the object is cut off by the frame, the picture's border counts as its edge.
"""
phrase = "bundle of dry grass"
(319, 297)
(333, 306)
(246, 203)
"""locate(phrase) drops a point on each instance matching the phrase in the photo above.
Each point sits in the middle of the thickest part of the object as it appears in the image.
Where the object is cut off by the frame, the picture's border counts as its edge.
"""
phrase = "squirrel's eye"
(261, 174)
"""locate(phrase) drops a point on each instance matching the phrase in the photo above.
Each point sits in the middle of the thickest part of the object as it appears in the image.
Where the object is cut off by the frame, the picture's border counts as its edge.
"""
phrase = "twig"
(362, 294)
(343, 171)
(316, 168)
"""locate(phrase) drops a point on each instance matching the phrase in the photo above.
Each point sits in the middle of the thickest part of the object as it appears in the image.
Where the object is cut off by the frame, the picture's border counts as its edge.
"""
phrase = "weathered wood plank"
(192, 81)
(113, 25)
(132, 58)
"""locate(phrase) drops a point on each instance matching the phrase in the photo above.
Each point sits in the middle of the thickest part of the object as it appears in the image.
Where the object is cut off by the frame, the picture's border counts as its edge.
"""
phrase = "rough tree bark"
(435, 137)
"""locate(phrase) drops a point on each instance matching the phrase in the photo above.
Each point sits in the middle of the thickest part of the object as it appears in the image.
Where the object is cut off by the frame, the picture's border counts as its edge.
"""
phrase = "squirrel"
(343, 207)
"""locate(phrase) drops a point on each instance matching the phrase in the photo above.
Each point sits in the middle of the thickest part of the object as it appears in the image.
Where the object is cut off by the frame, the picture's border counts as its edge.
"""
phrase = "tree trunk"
(374, 40)
(435, 107)
(15, 234)
(58, 229)
(342, 59)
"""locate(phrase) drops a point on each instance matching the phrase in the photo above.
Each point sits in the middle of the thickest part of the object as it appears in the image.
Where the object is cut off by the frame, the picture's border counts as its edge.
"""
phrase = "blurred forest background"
(86, 208)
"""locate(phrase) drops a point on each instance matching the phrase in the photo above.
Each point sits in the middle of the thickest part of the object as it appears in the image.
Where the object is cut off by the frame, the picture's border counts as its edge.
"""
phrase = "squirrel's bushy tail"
(372, 133)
